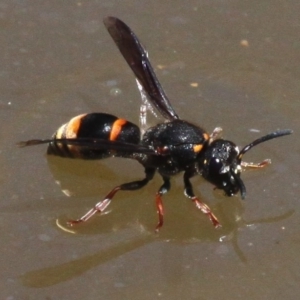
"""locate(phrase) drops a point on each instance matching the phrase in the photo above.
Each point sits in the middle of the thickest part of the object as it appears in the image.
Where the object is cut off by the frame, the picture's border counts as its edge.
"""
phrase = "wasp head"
(220, 163)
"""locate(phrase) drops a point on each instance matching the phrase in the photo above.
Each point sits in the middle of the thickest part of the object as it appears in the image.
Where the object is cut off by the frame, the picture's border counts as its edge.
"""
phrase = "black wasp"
(168, 148)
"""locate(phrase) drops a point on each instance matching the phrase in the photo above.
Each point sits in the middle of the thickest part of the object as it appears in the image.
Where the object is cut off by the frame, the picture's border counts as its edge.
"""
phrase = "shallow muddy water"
(233, 64)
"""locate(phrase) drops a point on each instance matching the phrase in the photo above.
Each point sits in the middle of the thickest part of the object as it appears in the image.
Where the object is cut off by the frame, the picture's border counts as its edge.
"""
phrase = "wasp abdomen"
(97, 126)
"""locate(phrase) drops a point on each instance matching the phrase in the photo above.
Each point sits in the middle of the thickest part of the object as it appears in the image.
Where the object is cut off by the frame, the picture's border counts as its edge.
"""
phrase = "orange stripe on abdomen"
(73, 126)
(116, 129)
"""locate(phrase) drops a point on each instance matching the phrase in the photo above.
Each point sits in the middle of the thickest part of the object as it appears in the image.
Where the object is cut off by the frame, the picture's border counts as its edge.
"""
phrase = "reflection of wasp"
(169, 148)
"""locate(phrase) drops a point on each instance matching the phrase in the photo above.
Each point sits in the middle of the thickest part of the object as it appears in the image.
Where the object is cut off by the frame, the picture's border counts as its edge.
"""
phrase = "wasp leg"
(215, 134)
(158, 200)
(251, 165)
(102, 205)
(188, 191)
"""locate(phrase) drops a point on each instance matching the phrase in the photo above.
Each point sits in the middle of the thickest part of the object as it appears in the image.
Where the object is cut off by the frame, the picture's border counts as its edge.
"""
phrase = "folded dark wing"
(137, 58)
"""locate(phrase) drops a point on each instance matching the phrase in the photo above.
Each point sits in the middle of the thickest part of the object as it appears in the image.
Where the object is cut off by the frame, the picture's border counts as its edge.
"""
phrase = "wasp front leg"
(251, 165)
(188, 191)
(216, 134)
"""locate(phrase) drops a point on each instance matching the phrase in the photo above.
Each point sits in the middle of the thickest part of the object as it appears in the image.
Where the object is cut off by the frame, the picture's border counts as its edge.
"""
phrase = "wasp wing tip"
(21, 144)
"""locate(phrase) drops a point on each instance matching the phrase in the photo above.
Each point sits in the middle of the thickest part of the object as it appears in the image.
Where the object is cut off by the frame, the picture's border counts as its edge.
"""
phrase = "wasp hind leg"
(188, 191)
(102, 205)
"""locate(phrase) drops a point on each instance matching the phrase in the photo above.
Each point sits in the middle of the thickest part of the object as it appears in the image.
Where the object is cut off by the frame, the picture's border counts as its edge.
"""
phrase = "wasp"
(168, 148)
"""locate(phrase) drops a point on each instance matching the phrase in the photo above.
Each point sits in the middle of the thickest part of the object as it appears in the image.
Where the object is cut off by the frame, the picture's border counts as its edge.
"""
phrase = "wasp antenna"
(270, 136)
